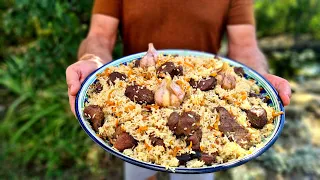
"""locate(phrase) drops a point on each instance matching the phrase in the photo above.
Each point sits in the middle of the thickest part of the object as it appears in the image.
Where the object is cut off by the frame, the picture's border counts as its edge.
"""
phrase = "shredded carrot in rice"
(190, 145)
(202, 103)
(186, 79)
(175, 151)
(130, 72)
(218, 133)
(225, 66)
(109, 95)
(129, 108)
(243, 95)
(118, 114)
(189, 64)
(123, 128)
(110, 103)
(275, 114)
(152, 106)
(117, 123)
(148, 75)
(106, 72)
(214, 74)
(216, 126)
(147, 146)
(237, 103)
(142, 129)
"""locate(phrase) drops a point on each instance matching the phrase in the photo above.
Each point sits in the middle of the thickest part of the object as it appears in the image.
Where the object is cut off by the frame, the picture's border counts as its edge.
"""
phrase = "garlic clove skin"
(169, 94)
(174, 100)
(162, 95)
(176, 89)
(150, 58)
(227, 81)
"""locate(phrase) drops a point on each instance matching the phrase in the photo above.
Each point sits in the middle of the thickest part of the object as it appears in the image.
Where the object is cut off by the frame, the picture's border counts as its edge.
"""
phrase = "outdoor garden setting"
(40, 138)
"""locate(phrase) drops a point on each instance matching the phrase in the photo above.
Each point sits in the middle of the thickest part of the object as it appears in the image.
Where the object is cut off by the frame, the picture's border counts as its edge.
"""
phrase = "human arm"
(101, 37)
(94, 51)
(243, 47)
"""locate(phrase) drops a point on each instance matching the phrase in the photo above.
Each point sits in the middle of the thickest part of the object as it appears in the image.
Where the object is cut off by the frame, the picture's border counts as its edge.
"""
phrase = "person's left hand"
(282, 86)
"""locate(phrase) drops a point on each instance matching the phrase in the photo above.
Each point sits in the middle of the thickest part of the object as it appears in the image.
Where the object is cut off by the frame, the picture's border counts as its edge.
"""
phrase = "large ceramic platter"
(265, 86)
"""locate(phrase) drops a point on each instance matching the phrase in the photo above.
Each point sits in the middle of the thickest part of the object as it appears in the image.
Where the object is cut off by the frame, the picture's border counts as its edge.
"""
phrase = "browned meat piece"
(195, 138)
(136, 63)
(98, 87)
(116, 75)
(139, 94)
(208, 159)
(185, 124)
(197, 155)
(173, 121)
(229, 125)
(156, 141)
(169, 68)
(188, 122)
(118, 131)
(239, 71)
(204, 84)
(193, 114)
(95, 115)
(227, 81)
(257, 117)
(178, 71)
(263, 98)
(124, 141)
(184, 158)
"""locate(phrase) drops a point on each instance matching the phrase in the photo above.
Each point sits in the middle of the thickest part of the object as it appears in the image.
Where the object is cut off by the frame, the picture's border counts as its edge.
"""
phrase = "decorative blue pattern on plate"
(266, 89)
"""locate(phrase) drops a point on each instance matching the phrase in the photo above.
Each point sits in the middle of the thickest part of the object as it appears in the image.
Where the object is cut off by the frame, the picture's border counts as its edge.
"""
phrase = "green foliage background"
(39, 136)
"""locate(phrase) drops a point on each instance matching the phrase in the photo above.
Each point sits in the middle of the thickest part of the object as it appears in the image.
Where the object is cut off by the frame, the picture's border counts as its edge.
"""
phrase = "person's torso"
(173, 24)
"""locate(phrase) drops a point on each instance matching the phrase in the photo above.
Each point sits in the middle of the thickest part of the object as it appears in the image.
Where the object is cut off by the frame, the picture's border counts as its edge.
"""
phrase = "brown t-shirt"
(175, 24)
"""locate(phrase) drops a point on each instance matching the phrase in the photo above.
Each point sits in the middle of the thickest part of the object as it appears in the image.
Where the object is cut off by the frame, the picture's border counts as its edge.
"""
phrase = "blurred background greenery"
(40, 138)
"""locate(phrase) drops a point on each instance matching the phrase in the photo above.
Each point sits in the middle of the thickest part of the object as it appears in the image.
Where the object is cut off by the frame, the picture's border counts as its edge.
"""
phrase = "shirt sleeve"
(241, 12)
(107, 7)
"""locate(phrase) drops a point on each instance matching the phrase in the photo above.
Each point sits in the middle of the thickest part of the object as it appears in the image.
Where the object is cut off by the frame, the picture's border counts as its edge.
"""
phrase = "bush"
(287, 16)
(39, 136)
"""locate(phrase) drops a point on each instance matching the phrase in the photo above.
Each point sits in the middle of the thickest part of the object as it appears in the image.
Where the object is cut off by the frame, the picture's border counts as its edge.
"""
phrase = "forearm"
(98, 46)
(250, 56)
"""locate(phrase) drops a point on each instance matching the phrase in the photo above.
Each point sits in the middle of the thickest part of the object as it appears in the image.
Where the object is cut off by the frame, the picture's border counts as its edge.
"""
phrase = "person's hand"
(282, 86)
(77, 72)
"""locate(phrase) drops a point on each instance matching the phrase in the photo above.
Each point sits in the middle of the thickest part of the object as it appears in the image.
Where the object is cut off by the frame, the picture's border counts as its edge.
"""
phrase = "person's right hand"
(77, 72)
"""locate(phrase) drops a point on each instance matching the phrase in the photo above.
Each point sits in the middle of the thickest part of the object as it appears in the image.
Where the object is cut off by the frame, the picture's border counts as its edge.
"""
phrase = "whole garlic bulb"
(150, 58)
(169, 93)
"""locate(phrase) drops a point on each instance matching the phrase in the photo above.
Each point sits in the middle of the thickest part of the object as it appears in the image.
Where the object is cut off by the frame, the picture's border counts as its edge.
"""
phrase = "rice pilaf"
(143, 121)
